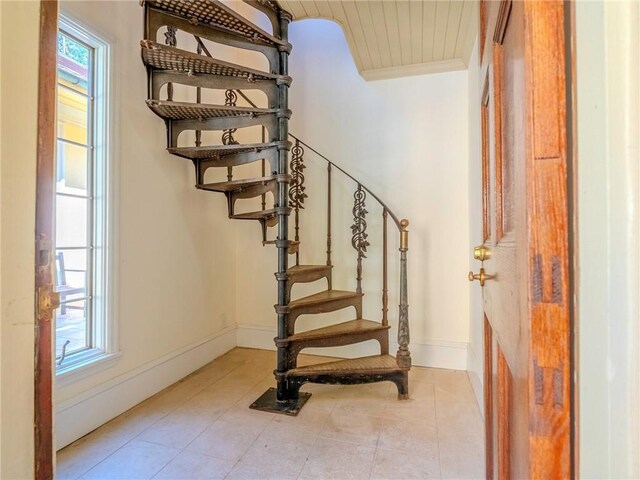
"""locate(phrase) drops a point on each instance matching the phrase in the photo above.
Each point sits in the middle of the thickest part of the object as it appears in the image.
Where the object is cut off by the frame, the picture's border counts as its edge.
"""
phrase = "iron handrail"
(394, 217)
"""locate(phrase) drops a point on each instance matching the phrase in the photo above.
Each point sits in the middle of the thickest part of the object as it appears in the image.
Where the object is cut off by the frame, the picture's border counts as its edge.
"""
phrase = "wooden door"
(46, 298)
(525, 254)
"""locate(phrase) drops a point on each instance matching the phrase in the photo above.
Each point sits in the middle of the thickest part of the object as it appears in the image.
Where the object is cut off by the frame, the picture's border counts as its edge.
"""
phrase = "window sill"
(88, 364)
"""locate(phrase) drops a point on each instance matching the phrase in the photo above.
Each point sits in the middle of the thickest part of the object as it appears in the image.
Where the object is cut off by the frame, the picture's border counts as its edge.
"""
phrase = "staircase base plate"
(268, 403)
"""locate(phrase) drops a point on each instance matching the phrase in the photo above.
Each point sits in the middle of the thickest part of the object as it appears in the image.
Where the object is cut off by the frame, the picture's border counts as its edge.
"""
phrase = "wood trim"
(502, 21)
(570, 22)
(486, 153)
(550, 367)
(497, 102)
(504, 430)
(488, 398)
(43, 387)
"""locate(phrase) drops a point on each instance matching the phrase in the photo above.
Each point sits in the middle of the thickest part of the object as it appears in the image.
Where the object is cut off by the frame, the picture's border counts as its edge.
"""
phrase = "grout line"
(435, 411)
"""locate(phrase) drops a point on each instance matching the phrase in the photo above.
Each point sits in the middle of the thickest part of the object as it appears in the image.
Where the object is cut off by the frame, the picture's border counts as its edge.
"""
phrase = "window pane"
(73, 109)
(71, 274)
(71, 222)
(71, 326)
(71, 169)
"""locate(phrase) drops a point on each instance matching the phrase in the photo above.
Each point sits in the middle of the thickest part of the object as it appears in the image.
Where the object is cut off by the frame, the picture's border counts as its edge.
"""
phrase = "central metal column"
(283, 399)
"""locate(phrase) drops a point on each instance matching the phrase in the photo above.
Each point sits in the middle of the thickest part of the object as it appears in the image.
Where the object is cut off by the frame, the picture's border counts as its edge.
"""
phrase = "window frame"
(103, 329)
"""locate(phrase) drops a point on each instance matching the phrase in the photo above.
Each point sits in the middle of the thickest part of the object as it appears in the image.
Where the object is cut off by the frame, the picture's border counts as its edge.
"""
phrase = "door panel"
(527, 321)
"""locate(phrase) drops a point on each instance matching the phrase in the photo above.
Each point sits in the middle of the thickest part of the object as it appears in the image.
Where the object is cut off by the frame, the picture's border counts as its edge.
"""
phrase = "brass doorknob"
(481, 253)
(483, 277)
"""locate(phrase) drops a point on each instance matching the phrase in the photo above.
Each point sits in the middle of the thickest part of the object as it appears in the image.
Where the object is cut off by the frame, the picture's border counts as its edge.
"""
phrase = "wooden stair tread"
(215, 14)
(196, 111)
(323, 297)
(356, 326)
(219, 151)
(236, 185)
(375, 363)
(164, 57)
(259, 215)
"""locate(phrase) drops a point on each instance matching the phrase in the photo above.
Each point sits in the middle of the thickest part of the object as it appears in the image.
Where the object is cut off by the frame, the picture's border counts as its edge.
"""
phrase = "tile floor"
(201, 428)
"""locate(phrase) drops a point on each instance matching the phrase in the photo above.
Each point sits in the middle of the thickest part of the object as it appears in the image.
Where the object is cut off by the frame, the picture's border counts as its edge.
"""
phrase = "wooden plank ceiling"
(398, 38)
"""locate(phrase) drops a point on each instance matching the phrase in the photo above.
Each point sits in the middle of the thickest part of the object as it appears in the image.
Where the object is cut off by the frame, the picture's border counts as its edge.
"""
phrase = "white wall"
(406, 139)
(476, 313)
(19, 33)
(174, 249)
(608, 64)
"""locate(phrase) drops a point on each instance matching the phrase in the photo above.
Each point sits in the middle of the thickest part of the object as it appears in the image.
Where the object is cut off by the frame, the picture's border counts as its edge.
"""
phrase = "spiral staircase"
(208, 23)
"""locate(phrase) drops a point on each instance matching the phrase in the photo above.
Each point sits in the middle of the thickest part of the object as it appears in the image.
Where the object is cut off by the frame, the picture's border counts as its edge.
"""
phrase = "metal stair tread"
(375, 363)
(215, 14)
(164, 57)
(195, 111)
(301, 269)
(234, 185)
(219, 151)
(259, 215)
(356, 326)
(322, 297)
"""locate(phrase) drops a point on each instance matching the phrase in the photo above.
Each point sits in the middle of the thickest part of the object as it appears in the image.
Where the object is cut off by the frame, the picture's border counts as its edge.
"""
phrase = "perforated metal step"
(357, 366)
(197, 111)
(220, 151)
(163, 57)
(215, 14)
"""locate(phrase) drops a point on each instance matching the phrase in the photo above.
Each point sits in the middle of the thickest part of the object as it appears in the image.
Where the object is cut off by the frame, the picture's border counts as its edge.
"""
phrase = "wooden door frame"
(46, 298)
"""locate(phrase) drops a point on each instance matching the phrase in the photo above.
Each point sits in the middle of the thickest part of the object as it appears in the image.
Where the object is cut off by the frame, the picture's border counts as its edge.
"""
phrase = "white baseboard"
(85, 412)
(475, 378)
(424, 353)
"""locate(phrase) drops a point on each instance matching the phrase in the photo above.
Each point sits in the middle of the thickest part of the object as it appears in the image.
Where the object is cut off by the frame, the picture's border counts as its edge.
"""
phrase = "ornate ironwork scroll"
(171, 40)
(297, 189)
(359, 230)
(230, 100)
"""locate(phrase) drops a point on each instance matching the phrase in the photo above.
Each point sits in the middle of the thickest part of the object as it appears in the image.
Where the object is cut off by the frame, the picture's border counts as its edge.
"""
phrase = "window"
(84, 327)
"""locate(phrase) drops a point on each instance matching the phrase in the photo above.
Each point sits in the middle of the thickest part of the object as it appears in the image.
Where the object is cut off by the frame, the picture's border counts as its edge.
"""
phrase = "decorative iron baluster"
(403, 357)
(359, 231)
(329, 218)
(385, 292)
(199, 99)
(297, 188)
(171, 40)
(264, 169)
(231, 99)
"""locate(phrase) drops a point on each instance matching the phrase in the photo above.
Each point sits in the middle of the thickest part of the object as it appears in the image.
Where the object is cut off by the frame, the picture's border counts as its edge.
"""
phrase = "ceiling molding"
(414, 69)
(395, 38)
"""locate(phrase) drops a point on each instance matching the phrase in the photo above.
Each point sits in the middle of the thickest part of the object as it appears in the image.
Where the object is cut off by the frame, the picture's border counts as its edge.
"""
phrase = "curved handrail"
(394, 217)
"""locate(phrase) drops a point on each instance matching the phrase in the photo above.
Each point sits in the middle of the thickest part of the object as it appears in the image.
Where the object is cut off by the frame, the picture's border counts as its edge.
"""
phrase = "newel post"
(403, 357)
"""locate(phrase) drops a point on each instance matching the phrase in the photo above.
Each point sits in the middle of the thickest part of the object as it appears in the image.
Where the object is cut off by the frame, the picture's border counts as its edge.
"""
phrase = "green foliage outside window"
(73, 50)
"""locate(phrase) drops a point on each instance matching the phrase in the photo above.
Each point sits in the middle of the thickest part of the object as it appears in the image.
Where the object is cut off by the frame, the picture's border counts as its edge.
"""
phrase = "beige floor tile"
(136, 460)
(269, 458)
(392, 465)
(408, 436)
(330, 459)
(420, 407)
(337, 435)
(86, 453)
(302, 429)
(227, 440)
(194, 466)
(357, 428)
(176, 430)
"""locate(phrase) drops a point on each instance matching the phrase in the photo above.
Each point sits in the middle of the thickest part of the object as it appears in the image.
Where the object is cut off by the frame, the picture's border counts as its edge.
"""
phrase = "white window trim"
(105, 332)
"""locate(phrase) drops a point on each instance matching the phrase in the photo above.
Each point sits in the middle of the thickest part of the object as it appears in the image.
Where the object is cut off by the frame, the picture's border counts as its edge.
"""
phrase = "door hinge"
(48, 299)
